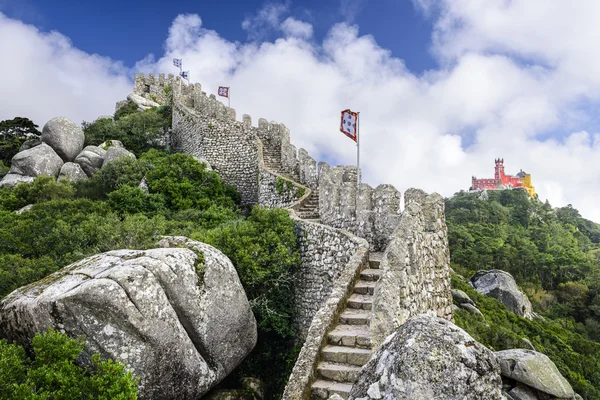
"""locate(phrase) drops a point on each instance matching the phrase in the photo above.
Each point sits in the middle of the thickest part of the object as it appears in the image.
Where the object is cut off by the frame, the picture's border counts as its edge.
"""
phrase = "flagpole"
(357, 157)
(229, 97)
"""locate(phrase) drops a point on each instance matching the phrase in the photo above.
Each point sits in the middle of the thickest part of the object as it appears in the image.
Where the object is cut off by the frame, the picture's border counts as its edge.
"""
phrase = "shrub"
(264, 251)
(52, 373)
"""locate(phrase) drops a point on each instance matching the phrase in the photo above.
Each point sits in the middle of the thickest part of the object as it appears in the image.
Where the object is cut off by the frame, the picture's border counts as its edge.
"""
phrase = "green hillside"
(554, 255)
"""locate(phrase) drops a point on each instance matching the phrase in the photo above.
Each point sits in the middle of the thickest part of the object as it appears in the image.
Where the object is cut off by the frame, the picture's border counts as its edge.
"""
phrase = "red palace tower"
(502, 181)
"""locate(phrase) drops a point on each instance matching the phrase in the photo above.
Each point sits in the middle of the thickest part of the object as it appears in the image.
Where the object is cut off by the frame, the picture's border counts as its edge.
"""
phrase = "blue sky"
(443, 86)
(129, 30)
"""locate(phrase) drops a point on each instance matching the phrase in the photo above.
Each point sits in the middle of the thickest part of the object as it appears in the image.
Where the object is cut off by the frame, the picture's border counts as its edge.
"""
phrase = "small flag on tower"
(348, 124)
(224, 91)
(185, 74)
(177, 62)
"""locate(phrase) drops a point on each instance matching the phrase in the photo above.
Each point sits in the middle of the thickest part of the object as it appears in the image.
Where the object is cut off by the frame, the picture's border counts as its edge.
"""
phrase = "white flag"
(185, 74)
(177, 62)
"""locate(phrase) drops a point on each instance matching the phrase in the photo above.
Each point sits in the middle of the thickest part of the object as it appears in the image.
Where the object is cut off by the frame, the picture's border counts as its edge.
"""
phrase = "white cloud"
(515, 81)
(44, 76)
(294, 27)
(414, 128)
(266, 20)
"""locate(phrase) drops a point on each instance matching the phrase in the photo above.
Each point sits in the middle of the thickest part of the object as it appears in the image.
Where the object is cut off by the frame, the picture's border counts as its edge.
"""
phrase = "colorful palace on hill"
(502, 181)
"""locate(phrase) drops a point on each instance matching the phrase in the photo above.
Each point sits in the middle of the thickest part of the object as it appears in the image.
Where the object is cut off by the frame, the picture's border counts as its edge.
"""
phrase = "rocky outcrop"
(28, 164)
(10, 180)
(72, 172)
(91, 159)
(535, 370)
(430, 358)
(29, 144)
(502, 286)
(64, 136)
(178, 317)
(461, 297)
(114, 153)
(142, 103)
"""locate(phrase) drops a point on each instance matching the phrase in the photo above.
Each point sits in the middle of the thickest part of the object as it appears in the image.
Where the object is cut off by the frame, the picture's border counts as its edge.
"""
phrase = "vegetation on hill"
(554, 255)
(70, 221)
(13, 133)
(53, 374)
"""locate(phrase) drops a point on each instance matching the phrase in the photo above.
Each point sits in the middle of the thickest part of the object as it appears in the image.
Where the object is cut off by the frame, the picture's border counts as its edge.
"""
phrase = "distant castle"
(502, 181)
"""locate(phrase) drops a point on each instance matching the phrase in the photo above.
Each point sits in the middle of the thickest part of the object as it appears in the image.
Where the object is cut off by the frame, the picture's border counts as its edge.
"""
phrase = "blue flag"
(185, 74)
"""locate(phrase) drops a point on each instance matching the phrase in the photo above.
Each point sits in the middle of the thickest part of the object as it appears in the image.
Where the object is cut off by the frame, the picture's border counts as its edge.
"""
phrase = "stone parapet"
(416, 267)
(333, 303)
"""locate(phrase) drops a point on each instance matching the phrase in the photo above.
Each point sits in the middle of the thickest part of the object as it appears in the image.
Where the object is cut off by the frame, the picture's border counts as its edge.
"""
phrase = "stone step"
(375, 259)
(370, 274)
(355, 317)
(346, 355)
(343, 373)
(350, 336)
(360, 301)
(323, 389)
(365, 287)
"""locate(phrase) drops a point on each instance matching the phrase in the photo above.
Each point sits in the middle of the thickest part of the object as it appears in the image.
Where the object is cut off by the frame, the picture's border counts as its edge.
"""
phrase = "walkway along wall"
(268, 170)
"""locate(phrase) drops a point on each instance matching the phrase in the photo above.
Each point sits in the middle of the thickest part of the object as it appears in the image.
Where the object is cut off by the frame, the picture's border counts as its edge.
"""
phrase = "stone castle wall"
(354, 219)
(325, 252)
(416, 267)
(373, 214)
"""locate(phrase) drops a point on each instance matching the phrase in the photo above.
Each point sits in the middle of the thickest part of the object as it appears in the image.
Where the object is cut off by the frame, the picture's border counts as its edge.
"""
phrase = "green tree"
(53, 373)
(139, 131)
(13, 132)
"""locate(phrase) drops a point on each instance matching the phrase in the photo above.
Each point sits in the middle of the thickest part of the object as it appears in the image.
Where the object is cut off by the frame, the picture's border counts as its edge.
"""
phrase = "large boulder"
(64, 136)
(114, 153)
(142, 103)
(535, 370)
(39, 160)
(502, 286)
(71, 172)
(430, 358)
(177, 317)
(10, 180)
(91, 159)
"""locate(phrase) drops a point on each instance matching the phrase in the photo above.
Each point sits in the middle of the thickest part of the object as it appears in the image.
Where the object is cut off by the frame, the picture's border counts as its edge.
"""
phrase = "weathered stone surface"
(461, 297)
(430, 358)
(10, 180)
(416, 268)
(114, 153)
(536, 370)
(180, 323)
(143, 103)
(527, 344)
(29, 144)
(39, 160)
(91, 159)
(522, 392)
(110, 143)
(472, 309)
(64, 136)
(72, 172)
(502, 286)
(23, 209)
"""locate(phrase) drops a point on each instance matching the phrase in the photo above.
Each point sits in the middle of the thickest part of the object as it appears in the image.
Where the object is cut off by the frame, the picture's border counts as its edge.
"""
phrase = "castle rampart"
(268, 170)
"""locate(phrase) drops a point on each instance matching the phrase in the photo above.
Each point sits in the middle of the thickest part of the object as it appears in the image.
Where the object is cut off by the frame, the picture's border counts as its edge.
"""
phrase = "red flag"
(224, 91)
(348, 124)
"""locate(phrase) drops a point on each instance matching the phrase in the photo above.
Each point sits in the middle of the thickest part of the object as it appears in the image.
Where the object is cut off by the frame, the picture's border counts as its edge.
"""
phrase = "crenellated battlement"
(337, 221)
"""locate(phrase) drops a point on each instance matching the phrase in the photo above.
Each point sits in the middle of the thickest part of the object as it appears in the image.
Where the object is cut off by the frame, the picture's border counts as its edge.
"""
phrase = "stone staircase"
(272, 160)
(310, 209)
(349, 343)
